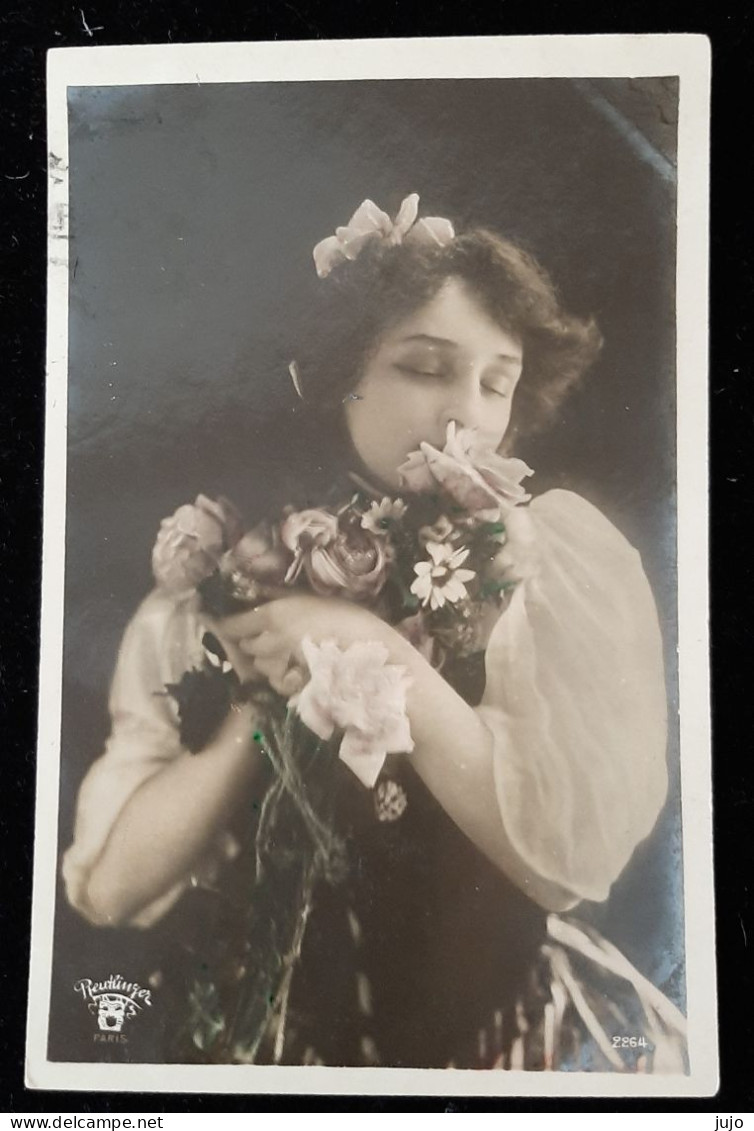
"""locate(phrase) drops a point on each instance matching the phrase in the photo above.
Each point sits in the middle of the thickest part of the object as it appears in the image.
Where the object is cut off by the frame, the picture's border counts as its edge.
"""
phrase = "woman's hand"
(266, 641)
(453, 748)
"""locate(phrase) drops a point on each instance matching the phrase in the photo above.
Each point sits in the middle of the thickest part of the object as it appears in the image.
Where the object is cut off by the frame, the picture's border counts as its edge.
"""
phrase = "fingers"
(288, 683)
(251, 623)
(282, 674)
(243, 665)
(277, 593)
(269, 653)
(266, 644)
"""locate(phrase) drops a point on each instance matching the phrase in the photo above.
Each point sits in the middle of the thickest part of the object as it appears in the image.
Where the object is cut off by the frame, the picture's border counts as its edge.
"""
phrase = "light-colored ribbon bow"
(369, 222)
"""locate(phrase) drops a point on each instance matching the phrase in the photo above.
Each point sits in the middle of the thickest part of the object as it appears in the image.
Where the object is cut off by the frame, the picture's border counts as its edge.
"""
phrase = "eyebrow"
(431, 340)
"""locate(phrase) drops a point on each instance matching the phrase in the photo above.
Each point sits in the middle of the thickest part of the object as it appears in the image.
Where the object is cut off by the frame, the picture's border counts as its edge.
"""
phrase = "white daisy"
(441, 579)
(380, 515)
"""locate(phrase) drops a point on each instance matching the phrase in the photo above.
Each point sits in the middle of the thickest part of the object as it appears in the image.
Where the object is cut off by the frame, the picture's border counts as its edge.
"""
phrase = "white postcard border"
(687, 56)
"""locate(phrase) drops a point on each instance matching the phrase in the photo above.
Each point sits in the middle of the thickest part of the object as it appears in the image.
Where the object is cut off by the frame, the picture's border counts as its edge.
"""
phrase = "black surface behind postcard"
(151, 166)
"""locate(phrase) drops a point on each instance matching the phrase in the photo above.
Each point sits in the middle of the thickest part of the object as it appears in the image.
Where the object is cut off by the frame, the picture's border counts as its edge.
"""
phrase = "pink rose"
(354, 564)
(261, 556)
(415, 475)
(485, 484)
(191, 542)
(303, 530)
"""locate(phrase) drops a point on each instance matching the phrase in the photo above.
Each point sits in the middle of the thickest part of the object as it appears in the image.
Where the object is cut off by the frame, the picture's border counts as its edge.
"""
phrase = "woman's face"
(449, 360)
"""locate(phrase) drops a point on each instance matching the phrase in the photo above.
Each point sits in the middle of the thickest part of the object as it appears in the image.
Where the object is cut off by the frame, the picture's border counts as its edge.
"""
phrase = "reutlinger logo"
(114, 1001)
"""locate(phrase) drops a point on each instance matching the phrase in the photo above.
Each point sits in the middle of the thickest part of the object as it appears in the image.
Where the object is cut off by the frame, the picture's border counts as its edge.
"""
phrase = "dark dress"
(419, 958)
(422, 956)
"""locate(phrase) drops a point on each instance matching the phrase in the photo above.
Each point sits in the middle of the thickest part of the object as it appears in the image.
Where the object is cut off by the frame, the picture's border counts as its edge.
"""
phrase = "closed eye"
(419, 371)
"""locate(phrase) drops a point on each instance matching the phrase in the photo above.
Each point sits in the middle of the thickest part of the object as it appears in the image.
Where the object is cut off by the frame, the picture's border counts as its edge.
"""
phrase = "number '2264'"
(630, 1043)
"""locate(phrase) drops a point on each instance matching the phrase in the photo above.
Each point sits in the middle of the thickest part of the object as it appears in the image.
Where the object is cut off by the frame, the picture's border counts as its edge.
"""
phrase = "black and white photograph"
(375, 731)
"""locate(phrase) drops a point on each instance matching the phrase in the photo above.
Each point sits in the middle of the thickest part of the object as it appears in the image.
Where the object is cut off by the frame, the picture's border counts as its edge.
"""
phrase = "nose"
(463, 402)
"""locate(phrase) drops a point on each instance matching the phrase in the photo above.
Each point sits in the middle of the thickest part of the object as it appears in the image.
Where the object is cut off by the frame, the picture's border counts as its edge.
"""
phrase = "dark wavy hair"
(360, 300)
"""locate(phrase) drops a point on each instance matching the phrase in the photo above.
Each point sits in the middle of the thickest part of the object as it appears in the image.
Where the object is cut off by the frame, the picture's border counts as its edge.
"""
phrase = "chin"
(388, 482)
(384, 479)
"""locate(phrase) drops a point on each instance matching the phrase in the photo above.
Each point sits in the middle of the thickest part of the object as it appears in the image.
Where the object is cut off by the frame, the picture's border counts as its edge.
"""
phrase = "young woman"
(538, 764)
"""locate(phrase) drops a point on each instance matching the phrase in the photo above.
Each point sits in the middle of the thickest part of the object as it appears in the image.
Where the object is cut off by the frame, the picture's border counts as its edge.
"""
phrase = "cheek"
(384, 407)
(503, 410)
(384, 425)
(493, 422)
(503, 414)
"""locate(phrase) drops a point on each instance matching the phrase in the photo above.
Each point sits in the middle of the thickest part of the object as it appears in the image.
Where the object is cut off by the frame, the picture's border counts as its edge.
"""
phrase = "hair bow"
(369, 223)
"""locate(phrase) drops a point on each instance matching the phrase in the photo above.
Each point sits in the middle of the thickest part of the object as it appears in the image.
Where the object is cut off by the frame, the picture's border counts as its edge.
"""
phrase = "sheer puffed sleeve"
(162, 641)
(575, 699)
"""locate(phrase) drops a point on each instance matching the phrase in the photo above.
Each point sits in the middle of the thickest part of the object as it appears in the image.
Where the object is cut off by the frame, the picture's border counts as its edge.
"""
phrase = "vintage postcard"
(374, 730)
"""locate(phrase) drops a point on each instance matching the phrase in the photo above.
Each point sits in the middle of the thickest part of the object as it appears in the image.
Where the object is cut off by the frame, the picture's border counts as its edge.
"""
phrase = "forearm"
(170, 821)
(453, 754)
(454, 749)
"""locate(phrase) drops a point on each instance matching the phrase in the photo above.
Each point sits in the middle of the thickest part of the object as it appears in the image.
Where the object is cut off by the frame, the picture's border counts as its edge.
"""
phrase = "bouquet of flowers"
(437, 563)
